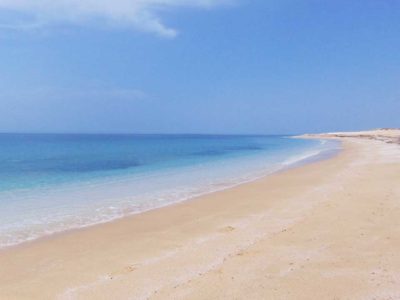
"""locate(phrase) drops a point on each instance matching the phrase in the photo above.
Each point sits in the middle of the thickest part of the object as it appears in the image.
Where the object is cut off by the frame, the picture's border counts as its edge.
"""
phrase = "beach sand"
(326, 230)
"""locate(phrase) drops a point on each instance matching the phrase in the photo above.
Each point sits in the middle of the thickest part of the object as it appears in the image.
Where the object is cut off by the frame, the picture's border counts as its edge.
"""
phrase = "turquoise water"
(50, 183)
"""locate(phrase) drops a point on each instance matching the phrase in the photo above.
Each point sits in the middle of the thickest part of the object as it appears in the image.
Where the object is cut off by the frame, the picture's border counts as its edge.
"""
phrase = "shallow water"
(50, 183)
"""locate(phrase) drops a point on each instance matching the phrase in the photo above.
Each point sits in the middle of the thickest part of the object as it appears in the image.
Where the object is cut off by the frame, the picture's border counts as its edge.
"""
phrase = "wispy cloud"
(141, 15)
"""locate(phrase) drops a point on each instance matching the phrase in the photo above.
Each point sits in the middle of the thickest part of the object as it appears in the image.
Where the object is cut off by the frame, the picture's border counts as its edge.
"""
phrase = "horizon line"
(138, 133)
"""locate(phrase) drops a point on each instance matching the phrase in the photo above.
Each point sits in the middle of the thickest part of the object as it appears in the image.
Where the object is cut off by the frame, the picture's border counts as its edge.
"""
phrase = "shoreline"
(213, 241)
(323, 154)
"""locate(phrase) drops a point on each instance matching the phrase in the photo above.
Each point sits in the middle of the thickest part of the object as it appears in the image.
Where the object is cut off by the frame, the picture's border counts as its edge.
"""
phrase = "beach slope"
(326, 230)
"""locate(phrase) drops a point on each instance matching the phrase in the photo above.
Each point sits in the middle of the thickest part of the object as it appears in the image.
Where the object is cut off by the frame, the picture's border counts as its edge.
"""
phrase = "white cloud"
(136, 14)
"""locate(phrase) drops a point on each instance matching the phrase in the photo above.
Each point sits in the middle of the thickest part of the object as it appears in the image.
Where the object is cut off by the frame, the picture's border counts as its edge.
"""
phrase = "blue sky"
(199, 66)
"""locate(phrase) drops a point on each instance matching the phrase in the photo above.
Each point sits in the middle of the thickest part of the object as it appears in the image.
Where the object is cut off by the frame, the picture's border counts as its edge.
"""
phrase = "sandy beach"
(326, 230)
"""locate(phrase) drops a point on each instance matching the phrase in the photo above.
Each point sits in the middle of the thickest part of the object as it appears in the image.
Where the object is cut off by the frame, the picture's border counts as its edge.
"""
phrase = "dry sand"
(327, 230)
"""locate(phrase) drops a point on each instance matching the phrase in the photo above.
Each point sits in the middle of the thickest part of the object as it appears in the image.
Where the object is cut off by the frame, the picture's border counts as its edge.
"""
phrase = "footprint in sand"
(227, 229)
(124, 271)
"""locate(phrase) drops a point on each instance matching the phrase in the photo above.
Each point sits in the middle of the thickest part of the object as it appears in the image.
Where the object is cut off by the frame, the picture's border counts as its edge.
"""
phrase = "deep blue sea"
(54, 182)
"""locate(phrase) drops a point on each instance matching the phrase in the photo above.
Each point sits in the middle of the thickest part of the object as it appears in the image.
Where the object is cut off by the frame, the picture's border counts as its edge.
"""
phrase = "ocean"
(55, 182)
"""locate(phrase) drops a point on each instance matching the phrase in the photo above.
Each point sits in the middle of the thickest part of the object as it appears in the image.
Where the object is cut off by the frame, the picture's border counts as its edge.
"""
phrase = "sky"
(199, 66)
